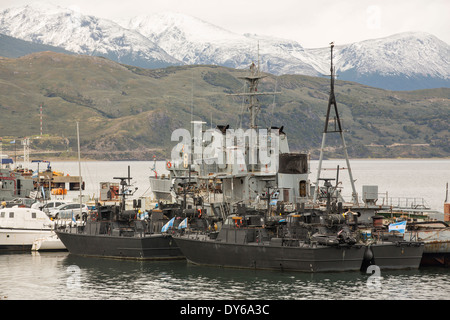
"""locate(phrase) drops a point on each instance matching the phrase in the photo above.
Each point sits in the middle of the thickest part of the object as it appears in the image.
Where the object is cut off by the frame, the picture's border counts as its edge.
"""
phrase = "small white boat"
(20, 227)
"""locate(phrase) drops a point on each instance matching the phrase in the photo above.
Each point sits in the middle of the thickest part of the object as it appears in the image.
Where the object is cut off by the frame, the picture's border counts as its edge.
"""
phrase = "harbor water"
(402, 181)
(61, 276)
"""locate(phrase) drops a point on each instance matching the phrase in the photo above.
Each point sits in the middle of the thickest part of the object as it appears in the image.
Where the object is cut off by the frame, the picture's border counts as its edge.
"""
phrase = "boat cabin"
(24, 218)
(243, 229)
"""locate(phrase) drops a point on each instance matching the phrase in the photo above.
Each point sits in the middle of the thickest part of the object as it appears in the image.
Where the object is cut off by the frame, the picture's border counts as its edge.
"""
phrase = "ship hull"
(435, 260)
(395, 256)
(281, 258)
(153, 247)
(20, 239)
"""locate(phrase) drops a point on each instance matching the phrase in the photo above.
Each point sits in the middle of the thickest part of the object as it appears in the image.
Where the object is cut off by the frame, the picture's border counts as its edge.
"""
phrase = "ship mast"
(253, 80)
(254, 107)
(337, 129)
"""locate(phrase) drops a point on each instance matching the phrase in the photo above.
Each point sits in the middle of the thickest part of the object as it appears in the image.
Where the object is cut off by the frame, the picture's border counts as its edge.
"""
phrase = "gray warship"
(309, 240)
(284, 223)
(244, 242)
(13, 183)
(216, 183)
(114, 232)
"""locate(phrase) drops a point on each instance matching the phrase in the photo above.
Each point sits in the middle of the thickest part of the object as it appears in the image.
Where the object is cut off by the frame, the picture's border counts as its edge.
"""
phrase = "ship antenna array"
(337, 129)
(252, 80)
(124, 184)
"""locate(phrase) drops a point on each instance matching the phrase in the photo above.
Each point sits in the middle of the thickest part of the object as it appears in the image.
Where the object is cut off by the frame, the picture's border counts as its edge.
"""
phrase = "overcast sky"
(313, 23)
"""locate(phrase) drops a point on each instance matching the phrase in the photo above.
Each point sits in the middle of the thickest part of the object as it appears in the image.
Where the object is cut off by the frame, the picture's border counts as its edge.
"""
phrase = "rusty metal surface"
(436, 240)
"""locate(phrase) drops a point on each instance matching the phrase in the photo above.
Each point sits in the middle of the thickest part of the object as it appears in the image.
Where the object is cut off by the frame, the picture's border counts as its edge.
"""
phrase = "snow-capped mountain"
(400, 62)
(195, 41)
(412, 58)
(409, 53)
(52, 25)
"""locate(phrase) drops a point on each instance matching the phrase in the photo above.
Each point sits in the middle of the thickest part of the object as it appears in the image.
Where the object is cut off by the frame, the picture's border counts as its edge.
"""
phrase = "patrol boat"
(118, 233)
(253, 242)
(309, 240)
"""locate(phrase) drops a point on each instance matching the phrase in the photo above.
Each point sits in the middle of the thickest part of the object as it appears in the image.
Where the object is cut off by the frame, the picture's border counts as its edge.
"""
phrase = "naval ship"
(114, 232)
(271, 216)
(248, 167)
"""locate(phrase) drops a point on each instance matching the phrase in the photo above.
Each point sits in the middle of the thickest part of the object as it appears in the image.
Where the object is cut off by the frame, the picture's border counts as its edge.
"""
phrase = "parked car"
(51, 206)
(69, 211)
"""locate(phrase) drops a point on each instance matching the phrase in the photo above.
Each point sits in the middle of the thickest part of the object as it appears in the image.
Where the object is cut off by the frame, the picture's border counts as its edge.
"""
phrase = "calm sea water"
(61, 276)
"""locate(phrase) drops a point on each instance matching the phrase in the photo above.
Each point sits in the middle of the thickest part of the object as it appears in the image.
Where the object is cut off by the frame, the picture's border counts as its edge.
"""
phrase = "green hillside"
(129, 113)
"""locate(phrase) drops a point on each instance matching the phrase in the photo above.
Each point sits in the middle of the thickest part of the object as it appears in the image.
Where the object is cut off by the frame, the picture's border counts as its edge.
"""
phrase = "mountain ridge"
(128, 113)
(82, 34)
(407, 61)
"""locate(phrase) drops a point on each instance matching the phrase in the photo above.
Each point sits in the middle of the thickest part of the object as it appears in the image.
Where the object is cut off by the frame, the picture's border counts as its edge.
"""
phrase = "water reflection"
(62, 276)
(112, 279)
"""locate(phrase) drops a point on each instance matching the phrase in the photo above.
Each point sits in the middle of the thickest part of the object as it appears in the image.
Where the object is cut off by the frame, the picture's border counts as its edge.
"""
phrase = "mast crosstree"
(253, 80)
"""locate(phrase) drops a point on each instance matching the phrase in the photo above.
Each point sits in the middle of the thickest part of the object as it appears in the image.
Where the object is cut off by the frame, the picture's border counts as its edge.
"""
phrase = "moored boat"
(243, 242)
(394, 255)
(114, 232)
(20, 227)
